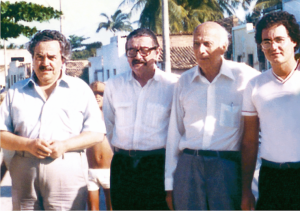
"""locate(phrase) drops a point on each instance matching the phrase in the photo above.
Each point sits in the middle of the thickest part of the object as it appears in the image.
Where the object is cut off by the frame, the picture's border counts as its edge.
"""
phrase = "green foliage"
(184, 15)
(13, 13)
(89, 51)
(117, 22)
(76, 41)
(258, 9)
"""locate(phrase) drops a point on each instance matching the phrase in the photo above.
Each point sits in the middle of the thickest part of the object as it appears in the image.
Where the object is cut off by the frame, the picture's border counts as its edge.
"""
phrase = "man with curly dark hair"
(271, 101)
(49, 119)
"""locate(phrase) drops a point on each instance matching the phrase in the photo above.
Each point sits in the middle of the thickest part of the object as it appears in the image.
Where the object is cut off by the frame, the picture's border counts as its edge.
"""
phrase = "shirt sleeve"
(248, 106)
(175, 133)
(93, 119)
(108, 112)
(5, 114)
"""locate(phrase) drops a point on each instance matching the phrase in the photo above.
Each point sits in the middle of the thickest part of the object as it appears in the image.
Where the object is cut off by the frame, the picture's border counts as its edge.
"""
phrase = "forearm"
(11, 141)
(82, 141)
(249, 156)
(249, 151)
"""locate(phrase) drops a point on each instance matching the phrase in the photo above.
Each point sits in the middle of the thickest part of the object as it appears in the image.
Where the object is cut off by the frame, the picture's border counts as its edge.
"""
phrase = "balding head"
(214, 28)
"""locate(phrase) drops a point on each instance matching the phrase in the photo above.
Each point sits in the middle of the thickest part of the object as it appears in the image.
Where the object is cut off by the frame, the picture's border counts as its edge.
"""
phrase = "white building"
(244, 50)
(110, 60)
(21, 55)
(18, 71)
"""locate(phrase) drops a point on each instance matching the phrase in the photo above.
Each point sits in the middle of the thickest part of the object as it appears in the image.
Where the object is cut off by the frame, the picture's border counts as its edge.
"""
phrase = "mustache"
(137, 61)
(45, 68)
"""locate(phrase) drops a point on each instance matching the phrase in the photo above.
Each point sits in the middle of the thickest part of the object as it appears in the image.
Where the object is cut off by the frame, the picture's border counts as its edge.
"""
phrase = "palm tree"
(184, 15)
(258, 9)
(117, 22)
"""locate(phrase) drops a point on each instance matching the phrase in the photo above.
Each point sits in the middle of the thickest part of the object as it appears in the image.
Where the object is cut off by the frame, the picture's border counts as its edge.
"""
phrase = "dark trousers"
(278, 189)
(138, 184)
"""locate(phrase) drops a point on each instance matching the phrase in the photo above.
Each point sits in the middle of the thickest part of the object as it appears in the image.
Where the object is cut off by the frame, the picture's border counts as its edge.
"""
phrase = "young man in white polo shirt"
(271, 101)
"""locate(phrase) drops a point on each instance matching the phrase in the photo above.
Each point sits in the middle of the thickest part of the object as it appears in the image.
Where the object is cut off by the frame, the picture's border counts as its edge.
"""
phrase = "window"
(107, 74)
(20, 59)
(250, 60)
(115, 72)
(239, 59)
(15, 78)
(12, 80)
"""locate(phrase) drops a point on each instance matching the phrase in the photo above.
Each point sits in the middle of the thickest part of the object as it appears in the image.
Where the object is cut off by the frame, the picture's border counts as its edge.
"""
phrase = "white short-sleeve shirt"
(277, 104)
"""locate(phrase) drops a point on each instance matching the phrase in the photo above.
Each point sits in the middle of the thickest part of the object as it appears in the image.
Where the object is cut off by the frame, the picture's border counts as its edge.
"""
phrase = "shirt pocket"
(230, 116)
(155, 115)
(124, 113)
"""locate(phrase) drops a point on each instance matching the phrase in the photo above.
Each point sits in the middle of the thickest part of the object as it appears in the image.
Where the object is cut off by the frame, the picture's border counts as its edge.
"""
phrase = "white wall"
(109, 57)
(17, 72)
(15, 53)
(244, 44)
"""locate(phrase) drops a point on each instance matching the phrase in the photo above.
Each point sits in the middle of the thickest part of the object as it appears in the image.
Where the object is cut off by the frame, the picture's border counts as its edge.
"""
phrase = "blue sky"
(81, 17)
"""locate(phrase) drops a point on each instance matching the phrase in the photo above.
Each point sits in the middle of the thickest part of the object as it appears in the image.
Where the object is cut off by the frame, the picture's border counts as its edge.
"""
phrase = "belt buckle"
(132, 153)
(284, 166)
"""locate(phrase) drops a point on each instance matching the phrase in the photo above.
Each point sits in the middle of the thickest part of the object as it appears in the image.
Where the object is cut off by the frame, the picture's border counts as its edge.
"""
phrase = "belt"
(140, 153)
(229, 155)
(287, 165)
(29, 155)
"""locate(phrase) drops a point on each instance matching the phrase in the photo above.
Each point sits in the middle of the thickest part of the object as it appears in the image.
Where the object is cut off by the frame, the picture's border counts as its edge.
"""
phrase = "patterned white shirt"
(206, 115)
(137, 118)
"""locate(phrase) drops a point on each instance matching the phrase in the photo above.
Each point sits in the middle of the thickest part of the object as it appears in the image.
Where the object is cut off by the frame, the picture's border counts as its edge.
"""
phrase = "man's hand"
(58, 148)
(248, 200)
(169, 199)
(39, 148)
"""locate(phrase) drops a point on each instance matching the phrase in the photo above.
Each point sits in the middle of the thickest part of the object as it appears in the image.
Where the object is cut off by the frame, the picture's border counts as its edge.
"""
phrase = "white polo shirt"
(277, 104)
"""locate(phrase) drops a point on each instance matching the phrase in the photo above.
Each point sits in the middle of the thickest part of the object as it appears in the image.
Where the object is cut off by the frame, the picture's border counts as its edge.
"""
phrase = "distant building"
(18, 71)
(110, 60)
(12, 55)
(244, 47)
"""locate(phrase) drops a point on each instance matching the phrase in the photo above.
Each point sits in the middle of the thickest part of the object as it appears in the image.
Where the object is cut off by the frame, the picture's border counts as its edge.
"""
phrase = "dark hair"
(140, 32)
(51, 35)
(279, 18)
(96, 82)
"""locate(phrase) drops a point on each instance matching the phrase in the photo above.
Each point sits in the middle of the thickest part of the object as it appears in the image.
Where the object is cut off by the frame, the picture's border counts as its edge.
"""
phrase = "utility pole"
(60, 18)
(166, 37)
(5, 66)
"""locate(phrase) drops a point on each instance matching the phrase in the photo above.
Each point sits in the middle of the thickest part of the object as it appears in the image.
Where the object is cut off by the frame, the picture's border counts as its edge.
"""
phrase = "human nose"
(202, 48)
(45, 61)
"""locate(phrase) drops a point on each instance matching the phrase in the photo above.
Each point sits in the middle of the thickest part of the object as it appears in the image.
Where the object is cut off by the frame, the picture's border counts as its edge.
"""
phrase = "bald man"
(202, 154)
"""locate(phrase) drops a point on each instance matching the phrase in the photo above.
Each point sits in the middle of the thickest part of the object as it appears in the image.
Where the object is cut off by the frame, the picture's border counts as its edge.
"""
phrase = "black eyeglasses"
(99, 93)
(144, 51)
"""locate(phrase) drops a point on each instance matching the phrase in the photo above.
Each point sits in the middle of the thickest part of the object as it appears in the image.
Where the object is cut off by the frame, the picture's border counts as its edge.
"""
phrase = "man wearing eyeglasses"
(137, 107)
(271, 101)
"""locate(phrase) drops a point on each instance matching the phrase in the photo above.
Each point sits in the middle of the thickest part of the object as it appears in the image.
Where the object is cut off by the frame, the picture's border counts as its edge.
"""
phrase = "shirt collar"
(157, 75)
(224, 70)
(33, 78)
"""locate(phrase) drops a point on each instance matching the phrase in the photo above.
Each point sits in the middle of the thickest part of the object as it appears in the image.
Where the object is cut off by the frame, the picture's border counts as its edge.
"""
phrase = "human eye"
(279, 39)
(196, 44)
(144, 50)
(51, 57)
(207, 44)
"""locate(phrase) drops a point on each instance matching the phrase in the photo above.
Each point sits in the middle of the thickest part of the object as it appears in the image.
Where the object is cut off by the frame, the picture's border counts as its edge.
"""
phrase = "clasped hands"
(42, 149)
